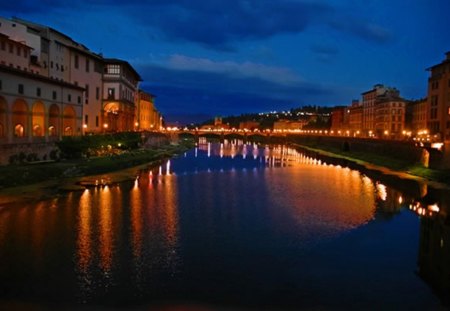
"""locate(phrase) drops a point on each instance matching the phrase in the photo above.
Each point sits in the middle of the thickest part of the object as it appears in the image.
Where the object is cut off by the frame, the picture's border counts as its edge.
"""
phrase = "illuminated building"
(339, 118)
(57, 56)
(383, 112)
(120, 94)
(355, 112)
(34, 109)
(389, 117)
(439, 99)
(147, 117)
(419, 111)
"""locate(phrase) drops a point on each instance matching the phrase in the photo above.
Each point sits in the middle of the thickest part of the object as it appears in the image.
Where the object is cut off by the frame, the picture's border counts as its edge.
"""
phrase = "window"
(11, 48)
(97, 93)
(96, 121)
(112, 69)
(76, 61)
(85, 119)
(54, 95)
(69, 98)
(38, 92)
(434, 100)
(51, 64)
(20, 89)
(25, 53)
(87, 93)
(1, 84)
(87, 65)
(111, 93)
(3, 45)
(19, 51)
(79, 99)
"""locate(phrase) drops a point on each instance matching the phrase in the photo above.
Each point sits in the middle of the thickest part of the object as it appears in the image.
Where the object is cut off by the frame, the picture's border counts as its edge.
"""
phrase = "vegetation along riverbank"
(383, 162)
(86, 156)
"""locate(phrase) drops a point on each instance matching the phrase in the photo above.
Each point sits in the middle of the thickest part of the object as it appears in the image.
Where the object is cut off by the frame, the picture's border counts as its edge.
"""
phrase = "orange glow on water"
(106, 232)
(84, 245)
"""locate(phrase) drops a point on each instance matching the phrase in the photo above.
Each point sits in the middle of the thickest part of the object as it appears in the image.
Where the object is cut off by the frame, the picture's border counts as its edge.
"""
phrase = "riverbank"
(47, 179)
(376, 164)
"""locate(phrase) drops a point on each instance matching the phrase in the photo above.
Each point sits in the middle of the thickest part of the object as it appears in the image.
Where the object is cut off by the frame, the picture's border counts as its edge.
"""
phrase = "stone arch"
(3, 112)
(112, 117)
(53, 120)
(38, 120)
(69, 121)
(20, 117)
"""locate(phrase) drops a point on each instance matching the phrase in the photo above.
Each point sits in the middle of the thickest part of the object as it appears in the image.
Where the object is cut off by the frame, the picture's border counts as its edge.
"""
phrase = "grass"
(27, 174)
(415, 169)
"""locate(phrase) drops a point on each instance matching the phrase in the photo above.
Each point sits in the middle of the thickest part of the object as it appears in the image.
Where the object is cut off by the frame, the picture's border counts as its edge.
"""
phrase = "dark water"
(231, 227)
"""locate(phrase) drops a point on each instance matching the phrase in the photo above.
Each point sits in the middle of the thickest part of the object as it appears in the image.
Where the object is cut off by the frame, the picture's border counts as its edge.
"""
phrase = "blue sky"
(221, 57)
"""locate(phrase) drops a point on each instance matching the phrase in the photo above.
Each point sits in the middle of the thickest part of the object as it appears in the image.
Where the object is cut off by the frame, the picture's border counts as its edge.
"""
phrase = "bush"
(32, 157)
(13, 159)
(53, 154)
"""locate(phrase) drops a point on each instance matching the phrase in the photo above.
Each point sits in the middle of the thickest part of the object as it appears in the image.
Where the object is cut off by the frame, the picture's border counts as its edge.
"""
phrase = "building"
(439, 100)
(34, 109)
(390, 117)
(120, 94)
(339, 118)
(419, 119)
(282, 124)
(147, 117)
(355, 112)
(249, 125)
(376, 104)
(57, 56)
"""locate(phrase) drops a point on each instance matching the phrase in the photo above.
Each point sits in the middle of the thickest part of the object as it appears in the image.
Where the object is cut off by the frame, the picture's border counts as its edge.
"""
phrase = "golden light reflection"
(84, 240)
(136, 221)
(328, 196)
(168, 167)
(106, 232)
(381, 191)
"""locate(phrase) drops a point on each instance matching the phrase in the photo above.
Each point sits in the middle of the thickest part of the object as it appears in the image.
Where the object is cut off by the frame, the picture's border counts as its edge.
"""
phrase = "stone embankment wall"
(405, 151)
(40, 150)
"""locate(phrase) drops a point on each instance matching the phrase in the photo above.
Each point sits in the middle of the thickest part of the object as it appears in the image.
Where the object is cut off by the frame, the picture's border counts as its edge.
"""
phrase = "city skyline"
(221, 58)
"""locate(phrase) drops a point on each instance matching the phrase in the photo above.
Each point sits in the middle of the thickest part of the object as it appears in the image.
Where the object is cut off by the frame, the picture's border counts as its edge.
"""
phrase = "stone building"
(439, 99)
(419, 112)
(355, 112)
(147, 117)
(57, 56)
(120, 94)
(34, 110)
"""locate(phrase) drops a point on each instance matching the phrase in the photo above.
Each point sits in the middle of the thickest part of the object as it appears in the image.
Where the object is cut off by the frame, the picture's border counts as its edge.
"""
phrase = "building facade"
(390, 118)
(120, 95)
(57, 56)
(147, 117)
(339, 118)
(355, 112)
(419, 116)
(439, 100)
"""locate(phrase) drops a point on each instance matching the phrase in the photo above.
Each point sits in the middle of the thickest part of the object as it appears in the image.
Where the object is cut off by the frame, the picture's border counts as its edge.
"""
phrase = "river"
(230, 226)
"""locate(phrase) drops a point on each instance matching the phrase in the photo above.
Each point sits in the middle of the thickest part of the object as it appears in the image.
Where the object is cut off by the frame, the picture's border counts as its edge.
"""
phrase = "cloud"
(278, 75)
(362, 29)
(215, 24)
(223, 87)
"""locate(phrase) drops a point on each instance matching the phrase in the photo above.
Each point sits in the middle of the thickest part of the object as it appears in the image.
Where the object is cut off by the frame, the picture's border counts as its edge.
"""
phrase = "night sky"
(221, 57)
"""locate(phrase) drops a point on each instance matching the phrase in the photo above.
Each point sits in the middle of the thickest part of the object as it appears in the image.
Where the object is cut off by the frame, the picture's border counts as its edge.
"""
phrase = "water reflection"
(228, 223)
(434, 247)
